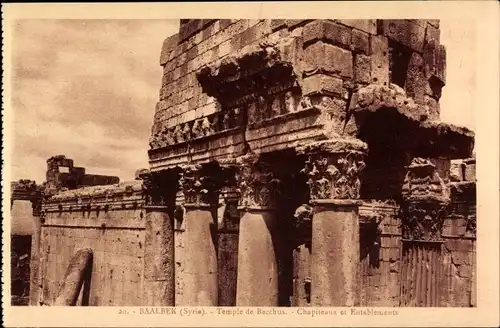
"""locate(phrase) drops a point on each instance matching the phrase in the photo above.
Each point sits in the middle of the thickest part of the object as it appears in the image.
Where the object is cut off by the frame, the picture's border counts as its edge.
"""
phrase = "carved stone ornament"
(422, 182)
(423, 220)
(198, 185)
(333, 169)
(153, 189)
(257, 183)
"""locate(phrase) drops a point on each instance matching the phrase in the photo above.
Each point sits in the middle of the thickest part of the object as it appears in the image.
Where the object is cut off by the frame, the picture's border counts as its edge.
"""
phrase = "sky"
(88, 88)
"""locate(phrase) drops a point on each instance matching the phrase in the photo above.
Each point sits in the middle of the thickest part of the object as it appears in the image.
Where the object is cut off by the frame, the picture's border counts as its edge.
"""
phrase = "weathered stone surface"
(361, 42)
(328, 32)
(404, 31)
(321, 83)
(435, 61)
(379, 59)
(432, 34)
(366, 25)
(416, 82)
(362, 69)
(168, 46)
(328, 58)
(79, 270)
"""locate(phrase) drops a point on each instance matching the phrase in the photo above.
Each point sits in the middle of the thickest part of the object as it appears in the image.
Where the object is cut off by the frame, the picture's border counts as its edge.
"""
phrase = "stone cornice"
(434, 137)
(98, 194)
(243, 73)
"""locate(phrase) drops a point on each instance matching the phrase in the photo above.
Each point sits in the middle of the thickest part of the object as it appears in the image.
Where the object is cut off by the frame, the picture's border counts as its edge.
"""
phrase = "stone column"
(35, 250)
(425, 200)
(257, 283)
(302, 256)
(159, 267)
(333, 167)
(228, 246)
(198, 183)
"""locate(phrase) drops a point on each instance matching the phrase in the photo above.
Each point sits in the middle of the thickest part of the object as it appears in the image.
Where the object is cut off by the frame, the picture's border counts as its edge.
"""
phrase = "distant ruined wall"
(62, 174)
(110, 221)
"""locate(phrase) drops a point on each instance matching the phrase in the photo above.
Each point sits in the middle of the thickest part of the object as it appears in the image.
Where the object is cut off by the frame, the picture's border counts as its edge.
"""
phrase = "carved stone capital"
(257, 183)
(426, 199)
(302, 224)
(422, 182)
(333, 168)
(199, 185)
(157, 189)
(423, 220)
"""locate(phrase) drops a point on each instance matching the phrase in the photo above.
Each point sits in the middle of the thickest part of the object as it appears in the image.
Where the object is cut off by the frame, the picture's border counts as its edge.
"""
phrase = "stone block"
(168, 47)
(327, 31)
(470, 172)
(294, 23)
(190, 28)
(255, 32)
(320, 83)
(277, 24)
(365, 25)
(360, 42)
(416, 81)
(433, 22)
(404, 31)
(328, 58)
(224, 23)
(362, 69)
(432, 33)
(292, 51)
(432, 108)
(379, 49)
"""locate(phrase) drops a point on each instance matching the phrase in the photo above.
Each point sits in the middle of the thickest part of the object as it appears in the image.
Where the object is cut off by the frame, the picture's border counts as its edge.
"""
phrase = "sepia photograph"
(266, 163)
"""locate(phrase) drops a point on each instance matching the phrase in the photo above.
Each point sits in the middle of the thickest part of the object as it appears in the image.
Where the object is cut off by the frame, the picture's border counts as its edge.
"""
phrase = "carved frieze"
(199, 185)
(257, 183)
(333, 168)
(267, 108)
(211, 125)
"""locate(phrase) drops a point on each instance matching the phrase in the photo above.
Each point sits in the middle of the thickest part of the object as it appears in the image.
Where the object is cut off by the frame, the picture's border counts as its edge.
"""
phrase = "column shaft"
(200, 187)
(200, 260)
(335, 254)
(257, 260)
(257, 264)
(333, 167)
(158, 257)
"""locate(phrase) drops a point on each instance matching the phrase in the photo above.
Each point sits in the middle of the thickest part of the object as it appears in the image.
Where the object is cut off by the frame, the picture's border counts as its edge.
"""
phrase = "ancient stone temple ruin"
(292, 163)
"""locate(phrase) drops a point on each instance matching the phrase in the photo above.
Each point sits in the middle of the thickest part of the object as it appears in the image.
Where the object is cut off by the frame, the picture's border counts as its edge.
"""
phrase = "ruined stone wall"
(330, 60)
(459, 232)
(110, 220)
(380, 250)
(62, 174)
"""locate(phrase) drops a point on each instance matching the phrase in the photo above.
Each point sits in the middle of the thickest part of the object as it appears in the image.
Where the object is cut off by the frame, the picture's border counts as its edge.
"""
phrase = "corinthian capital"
(426, 197)
(257, 183)
(157, 187)
(423, 221)
(199, 185)
(333, 168)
